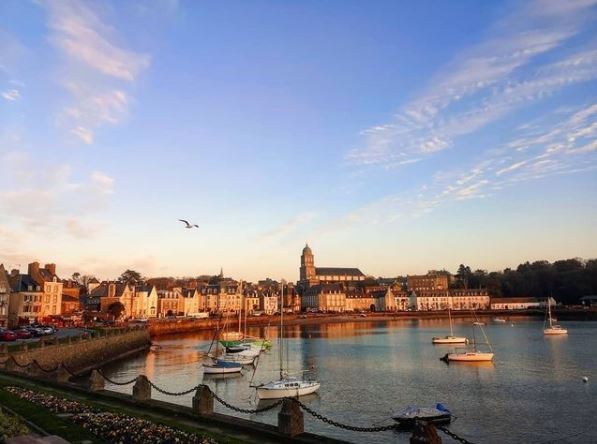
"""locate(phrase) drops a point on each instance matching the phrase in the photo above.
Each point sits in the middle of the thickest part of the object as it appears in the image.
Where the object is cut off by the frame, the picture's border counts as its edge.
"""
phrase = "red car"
(22, 333)
(8, 335)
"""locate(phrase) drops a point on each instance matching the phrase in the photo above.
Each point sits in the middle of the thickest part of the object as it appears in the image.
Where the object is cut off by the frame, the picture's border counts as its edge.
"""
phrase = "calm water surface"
(533, 392)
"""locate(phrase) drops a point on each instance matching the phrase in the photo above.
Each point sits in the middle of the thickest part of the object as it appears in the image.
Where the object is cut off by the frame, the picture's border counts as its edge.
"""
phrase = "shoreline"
(170, 327)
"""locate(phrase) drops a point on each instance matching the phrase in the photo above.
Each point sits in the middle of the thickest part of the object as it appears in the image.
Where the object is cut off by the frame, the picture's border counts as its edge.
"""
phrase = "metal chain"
(248, 411)
(185, 392)
(453, 435)
(115, 382)
(68, 370)
(19, 365)
(45, 370)
(340, 425)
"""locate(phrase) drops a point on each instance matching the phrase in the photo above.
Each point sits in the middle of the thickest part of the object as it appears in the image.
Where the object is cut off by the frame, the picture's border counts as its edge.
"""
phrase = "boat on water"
(449, 339)
(286, 385)
(499, 320)
(552, 328)
(438, 415)
(472, 353)
(220, 367)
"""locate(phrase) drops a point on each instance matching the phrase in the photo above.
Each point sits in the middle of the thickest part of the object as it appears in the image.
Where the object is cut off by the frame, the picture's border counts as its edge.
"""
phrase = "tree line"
(565, 280)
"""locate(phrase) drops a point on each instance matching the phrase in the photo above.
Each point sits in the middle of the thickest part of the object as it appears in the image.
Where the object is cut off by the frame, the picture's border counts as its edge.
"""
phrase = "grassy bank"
(59, 424)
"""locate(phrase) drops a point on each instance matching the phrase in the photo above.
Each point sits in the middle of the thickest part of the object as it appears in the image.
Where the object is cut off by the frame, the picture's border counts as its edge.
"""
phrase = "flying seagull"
(188, 225)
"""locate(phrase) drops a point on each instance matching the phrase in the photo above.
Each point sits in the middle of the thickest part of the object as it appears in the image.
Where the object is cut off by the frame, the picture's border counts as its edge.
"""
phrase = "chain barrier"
(68, 370)
(43, 369)
(115, 382)
(453, 435)
(185, 392)
(19, 365)
(340, 425)
(248, 411)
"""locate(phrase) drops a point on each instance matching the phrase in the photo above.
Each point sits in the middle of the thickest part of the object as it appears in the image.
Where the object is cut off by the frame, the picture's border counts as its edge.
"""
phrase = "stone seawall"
(82, 354)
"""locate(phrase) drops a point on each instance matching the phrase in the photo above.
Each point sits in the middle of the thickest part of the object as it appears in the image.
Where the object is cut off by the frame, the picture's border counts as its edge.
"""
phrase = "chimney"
(51, 268)
(111, 290)
(33, 269)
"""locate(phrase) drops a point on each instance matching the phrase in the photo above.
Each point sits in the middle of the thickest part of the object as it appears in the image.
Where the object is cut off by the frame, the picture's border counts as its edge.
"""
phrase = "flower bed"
(112, 427)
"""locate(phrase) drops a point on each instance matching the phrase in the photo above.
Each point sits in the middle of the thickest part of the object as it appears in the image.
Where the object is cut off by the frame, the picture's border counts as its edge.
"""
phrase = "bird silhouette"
(188, 225)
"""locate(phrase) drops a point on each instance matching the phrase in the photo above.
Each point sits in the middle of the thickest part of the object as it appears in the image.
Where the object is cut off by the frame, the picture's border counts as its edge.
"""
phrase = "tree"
(116, 309)
(76, 277)
(463, 276)
(130, 277)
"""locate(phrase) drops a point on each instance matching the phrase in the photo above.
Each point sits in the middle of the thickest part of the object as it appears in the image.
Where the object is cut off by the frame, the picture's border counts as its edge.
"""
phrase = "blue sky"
(397, 137)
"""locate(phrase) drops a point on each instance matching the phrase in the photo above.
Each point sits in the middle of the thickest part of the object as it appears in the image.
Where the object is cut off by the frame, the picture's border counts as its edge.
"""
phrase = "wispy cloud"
(11, 95)
(289, 226)
(46, 196)
(486, 82)
(98, 67)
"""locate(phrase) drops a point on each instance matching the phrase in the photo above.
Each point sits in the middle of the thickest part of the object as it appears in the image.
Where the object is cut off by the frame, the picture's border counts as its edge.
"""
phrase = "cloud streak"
(485, 83)
(97, 68)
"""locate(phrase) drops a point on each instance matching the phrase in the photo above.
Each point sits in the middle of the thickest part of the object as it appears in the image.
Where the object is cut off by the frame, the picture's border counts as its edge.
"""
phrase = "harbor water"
(533, 391)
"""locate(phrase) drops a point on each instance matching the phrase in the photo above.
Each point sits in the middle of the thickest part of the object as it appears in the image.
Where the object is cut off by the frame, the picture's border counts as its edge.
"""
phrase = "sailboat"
(450, 339)
(233, 339)
(472, 353)
(553, 329)
(217, 366)
(285, 386)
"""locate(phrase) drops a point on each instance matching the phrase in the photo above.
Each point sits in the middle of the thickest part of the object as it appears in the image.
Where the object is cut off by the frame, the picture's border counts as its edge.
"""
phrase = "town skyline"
(396, 138)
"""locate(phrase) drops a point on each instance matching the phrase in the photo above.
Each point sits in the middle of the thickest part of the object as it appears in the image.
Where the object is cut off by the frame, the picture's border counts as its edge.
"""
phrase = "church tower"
(307, 270)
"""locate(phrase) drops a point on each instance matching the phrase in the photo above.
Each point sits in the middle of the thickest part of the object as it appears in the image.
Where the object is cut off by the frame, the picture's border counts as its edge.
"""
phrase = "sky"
(396, 137)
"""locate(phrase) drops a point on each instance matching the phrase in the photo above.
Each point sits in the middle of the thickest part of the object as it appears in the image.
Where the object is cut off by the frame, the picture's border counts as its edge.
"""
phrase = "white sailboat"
(472, 353)
(553, 329)
(217, 366)
(285, 386)
(450, 339)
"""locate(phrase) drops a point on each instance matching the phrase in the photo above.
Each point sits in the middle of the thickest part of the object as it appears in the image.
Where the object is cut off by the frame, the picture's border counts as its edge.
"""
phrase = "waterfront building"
(5, 291)
(170, 302)
(110, 293)
(51, 286)
(324, 297)
(470, 299)
(189, 302)
(145, 302)
(432, 281)
(70, 305)
(222, 294)
(25, 302)
(517, 303)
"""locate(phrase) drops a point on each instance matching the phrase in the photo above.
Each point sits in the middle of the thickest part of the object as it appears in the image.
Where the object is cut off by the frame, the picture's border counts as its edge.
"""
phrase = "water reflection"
(369, 369)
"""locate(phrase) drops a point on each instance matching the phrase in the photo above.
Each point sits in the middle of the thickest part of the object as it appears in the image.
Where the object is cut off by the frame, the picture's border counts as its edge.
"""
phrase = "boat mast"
(450, 318)
(549, 313)
(280, 341)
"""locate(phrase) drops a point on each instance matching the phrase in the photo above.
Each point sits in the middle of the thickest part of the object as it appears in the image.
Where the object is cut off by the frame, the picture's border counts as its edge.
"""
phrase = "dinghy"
(438, 415)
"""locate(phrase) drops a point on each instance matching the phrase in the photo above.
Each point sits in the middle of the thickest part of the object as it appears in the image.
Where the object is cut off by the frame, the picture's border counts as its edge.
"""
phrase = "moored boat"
(287, 387)
(220, 367)
(438, 415)
(449, 339)
(472, 353)
(499, 320)
(553, 329)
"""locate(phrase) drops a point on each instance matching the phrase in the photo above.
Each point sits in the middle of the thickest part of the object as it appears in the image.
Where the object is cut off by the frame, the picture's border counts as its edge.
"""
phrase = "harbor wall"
(80, 354)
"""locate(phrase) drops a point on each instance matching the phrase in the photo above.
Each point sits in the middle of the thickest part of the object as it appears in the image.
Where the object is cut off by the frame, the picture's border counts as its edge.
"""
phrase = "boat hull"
(555, 331)
(449, 340)
(268, 392)
(469, 357)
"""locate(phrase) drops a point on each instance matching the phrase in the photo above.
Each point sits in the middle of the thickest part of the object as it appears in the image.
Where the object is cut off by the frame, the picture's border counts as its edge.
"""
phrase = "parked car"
(34, 331)
(22, 333)
(7, 335)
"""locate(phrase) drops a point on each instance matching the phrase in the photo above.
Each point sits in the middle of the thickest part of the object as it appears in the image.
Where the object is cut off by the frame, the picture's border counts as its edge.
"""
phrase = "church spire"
(221, 272)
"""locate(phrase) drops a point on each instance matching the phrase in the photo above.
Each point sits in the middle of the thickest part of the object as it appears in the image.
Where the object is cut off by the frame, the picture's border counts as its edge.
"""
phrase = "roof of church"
(326, 271)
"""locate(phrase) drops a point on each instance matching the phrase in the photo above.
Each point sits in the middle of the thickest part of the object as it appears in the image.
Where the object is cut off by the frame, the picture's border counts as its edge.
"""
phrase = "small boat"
(479, 323)
(499, 320)
(438, 415)
(238, 358)
(220, 367)
(553, 329)
(449, 339)
(471, 354)
(287, 386)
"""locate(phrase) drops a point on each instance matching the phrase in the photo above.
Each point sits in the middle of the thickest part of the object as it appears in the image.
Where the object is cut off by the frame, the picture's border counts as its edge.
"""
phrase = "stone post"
(290, 419)
(95, 382)
(203, 401)
(62, 375)
(142, 389)
(424, 433)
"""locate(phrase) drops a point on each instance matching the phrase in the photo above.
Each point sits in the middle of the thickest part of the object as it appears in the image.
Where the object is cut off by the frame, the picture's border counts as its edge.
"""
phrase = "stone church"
(310, 275)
